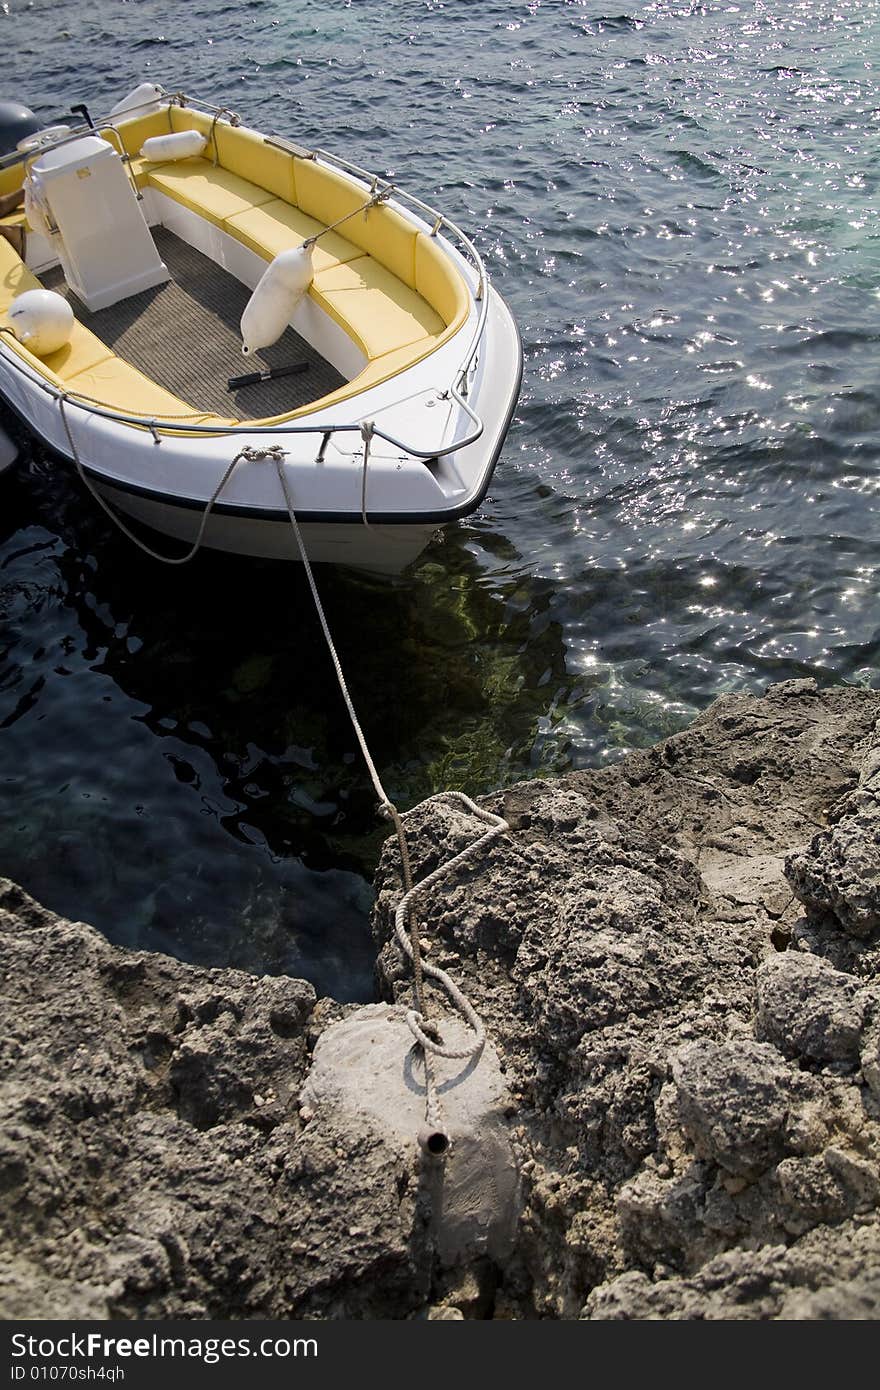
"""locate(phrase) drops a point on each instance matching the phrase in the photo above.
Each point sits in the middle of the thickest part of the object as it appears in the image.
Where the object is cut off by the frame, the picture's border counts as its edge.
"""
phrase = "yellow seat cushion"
(116, 384)
(246, 153)
(328, 195)
(376, 309)
(213, 193)
(183, 118)
(15, 277)
(134, 131)
(142, 168)
(438, 281)
(242, 152)
(275, 227)
(113, 383)
(11, 178)
(80, 354)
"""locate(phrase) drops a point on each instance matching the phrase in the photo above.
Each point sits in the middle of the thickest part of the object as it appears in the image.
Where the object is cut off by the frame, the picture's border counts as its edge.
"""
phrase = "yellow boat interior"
(389, 285)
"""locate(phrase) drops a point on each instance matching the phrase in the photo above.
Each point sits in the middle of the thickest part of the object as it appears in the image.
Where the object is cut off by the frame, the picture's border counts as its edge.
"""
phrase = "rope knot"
(430, 1030)
(368, 429)
(253, 455)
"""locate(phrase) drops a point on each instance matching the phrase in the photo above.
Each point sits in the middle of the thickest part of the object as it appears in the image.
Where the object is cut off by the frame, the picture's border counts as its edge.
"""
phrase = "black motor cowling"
(16, 121)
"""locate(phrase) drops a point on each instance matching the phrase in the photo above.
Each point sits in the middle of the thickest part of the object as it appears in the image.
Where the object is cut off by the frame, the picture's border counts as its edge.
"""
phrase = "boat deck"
(184, 335)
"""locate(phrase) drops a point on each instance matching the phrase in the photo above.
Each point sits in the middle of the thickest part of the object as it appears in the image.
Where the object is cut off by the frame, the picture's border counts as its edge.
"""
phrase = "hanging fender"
(36, 208)
(270, 308)
(144, 100)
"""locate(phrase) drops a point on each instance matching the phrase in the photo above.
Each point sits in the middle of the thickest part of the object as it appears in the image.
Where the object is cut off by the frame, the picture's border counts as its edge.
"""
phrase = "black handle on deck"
(251, 378)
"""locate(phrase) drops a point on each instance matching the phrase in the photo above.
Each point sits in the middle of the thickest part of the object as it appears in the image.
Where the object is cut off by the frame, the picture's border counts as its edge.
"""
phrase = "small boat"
(382, 368)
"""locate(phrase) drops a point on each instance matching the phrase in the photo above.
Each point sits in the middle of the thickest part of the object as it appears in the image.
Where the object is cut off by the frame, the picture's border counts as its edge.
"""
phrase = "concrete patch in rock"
(365, 1068)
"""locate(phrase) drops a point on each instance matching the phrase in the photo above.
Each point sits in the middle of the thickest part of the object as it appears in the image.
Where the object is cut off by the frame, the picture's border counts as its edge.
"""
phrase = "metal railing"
(8, 161)
(159, 426)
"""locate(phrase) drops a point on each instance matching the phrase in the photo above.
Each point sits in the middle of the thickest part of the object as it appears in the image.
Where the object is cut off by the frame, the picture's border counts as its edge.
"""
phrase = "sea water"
(679, 202)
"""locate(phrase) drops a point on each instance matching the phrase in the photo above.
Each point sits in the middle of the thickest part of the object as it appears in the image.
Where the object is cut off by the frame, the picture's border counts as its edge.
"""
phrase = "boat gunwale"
(461, 509)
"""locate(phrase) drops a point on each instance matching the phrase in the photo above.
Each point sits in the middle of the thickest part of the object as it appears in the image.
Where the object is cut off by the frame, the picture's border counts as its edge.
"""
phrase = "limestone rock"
(809, 1010)
(153, 1162)
(683, 1004)
(839, 872)
(733, 1103)
(692, 1096)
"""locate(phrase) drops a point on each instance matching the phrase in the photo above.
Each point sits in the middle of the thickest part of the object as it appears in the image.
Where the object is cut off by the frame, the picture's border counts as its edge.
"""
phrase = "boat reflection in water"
(183, 773)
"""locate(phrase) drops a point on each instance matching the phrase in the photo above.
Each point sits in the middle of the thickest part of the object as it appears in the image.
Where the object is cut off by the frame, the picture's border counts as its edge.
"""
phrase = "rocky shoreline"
(678, 961)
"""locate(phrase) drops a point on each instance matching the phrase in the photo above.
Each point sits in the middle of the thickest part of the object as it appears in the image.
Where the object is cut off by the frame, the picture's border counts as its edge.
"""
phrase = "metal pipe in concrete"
(433, 1141)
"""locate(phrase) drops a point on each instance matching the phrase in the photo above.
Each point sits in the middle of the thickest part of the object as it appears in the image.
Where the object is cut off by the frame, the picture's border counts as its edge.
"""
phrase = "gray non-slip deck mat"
(184, 335)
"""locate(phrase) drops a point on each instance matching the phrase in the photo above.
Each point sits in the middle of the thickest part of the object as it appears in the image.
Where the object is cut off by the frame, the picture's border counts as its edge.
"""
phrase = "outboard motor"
(16, 121)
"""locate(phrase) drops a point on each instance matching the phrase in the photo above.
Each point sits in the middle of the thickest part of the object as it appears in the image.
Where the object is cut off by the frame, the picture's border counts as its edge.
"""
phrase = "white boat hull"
(375, 548)
(243, 524)
(372, 473)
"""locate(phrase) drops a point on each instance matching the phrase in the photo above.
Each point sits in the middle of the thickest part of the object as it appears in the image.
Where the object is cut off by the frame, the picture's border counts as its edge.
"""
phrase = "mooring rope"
(406, 925)
(425, 1034)
(247, 453)
(234, 120)
(374, 198)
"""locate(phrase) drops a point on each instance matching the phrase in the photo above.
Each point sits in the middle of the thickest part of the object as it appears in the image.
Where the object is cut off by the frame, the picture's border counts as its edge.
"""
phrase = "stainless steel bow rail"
(457, 391)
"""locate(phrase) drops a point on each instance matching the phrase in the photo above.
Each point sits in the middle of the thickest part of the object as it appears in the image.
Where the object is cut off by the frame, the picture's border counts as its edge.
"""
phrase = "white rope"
(419, 1026)
(419, 892)
(430, 1046)
(246, 453)
(331, 647)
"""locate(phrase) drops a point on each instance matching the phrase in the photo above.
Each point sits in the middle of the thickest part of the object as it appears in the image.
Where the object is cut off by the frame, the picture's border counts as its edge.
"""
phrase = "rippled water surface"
(680, 204)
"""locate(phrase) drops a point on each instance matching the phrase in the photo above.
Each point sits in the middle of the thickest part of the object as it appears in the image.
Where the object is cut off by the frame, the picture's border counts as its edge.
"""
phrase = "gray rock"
(809, 1010)
(839, 872)
(694, 1103)
(626, 943)
(153, 1162)
(830, 1274)
(733, 1101)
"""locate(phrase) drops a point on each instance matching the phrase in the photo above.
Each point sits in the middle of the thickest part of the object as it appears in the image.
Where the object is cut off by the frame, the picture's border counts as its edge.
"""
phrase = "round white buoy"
(42, 321)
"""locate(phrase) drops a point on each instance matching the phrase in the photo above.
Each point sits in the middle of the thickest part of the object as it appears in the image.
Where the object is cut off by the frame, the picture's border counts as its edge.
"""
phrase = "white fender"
(181, 145)
(42, 320)
(35, 208)
(272, 304)
(144, 100)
